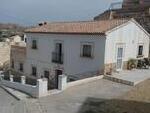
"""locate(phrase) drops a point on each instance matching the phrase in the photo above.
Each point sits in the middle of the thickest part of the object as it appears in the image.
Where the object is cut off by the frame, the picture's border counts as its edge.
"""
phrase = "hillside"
(8, 30)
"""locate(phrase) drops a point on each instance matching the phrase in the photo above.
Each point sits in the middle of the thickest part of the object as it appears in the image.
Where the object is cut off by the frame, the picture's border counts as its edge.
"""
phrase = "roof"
(82, 27)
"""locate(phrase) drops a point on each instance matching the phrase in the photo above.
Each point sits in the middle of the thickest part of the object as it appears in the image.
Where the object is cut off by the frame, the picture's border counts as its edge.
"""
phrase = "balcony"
(57, 58)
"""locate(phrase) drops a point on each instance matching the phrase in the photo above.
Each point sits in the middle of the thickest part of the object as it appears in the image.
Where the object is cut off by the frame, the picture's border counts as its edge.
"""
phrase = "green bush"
(132, 63)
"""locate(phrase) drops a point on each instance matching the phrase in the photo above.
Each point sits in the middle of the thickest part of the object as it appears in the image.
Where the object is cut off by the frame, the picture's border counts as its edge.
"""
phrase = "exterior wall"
(73, 63)
(15, 39)
(18, 55)
(4, 51)
(39, 90)
(130, 36)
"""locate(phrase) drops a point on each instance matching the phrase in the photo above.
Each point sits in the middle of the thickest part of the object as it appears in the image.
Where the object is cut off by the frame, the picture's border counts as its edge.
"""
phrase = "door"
(46, 75)
(119, 58)
(58, 51)
(57, 73)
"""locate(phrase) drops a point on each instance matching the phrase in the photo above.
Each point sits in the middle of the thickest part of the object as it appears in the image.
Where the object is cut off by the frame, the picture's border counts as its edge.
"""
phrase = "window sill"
(34, 48)
(87, 57)
(140, 56)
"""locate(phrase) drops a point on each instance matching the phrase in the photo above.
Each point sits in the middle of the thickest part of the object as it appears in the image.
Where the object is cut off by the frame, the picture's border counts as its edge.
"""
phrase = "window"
(140, 50)
(21, 67)
(12, 64)
(34, 71)
(22, 38)
(34, 44)
(87, 50)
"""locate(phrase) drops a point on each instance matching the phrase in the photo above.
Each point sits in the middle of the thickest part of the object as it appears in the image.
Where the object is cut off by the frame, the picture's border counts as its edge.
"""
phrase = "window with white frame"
(34, 44)
(87, 50)
(34, 71)
(140, 50)
(21, 67)
(12, 64)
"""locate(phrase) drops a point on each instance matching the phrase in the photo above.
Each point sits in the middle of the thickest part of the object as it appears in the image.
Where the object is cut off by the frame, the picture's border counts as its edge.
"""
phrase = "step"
(111, 78)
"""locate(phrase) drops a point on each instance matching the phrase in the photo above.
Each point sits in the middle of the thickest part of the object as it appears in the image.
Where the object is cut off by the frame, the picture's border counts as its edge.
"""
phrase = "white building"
(83, 48)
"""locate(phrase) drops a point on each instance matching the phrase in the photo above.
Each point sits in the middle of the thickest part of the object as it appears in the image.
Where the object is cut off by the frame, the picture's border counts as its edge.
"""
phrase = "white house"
(83, 48)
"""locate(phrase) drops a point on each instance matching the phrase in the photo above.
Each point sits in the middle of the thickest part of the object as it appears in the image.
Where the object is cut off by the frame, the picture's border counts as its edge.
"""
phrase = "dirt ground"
(135, 101)
(140, 92)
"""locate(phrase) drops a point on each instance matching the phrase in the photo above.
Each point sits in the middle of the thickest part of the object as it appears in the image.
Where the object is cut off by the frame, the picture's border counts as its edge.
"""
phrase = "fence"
(81, 76)
(38, 90)
(63, 84)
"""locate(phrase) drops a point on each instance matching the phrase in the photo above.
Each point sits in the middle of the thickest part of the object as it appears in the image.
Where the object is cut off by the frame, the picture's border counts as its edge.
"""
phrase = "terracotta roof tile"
(87, 27)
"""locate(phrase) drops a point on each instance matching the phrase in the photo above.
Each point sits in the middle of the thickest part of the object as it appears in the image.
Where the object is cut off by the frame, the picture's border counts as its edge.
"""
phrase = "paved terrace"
(132, 77)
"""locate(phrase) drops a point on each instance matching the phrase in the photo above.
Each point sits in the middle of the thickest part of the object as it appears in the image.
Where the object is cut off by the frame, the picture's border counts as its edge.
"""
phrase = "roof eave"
(67, 33)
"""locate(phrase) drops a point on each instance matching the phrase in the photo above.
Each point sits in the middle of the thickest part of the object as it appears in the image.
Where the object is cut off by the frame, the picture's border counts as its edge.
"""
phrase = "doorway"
(47, 75)
(57, 73)
(119, 63)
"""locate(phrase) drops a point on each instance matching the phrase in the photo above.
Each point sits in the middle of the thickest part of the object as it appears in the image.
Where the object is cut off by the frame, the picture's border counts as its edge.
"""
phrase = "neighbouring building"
(81, 48)
(18, 57)
(135, 3)
(5, 48)
(137, 9)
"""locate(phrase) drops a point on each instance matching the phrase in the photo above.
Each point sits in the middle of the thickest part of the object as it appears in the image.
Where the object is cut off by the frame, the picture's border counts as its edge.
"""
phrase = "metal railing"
(57, 57)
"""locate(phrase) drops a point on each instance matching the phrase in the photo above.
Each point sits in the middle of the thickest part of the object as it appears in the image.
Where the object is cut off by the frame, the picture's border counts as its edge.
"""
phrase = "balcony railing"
(57, 58)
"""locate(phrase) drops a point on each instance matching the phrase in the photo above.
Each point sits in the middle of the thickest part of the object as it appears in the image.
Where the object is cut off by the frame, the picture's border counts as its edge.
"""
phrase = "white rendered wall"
(73, 63)
(130, 35)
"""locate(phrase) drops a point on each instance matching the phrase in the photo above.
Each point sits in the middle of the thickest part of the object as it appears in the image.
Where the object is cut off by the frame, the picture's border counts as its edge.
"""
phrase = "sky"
(30, 12)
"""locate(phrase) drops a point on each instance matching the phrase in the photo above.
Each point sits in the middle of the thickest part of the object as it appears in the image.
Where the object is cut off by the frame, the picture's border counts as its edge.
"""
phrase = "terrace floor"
(133, 77)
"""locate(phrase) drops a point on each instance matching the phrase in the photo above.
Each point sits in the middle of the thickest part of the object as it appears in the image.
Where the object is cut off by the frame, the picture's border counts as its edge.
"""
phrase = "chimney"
(40, 24)
(45, 23)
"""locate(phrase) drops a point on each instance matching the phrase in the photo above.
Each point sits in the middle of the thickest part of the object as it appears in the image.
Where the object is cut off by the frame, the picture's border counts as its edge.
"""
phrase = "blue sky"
(30, 12)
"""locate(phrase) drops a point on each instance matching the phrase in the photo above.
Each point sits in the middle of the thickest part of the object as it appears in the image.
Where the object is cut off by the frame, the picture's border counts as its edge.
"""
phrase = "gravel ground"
(137, 100)
(139, 93)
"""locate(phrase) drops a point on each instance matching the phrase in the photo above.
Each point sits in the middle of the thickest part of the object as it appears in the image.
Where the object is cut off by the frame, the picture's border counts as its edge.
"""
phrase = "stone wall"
(109, 68)
(4, 53)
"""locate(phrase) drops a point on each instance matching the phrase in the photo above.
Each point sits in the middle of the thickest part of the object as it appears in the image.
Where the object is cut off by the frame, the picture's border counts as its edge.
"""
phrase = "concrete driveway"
(68, 101)
(71, 100)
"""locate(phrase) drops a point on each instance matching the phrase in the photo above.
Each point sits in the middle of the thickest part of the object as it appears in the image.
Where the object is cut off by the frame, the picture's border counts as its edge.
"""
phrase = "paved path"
(69, 101)
(72, 99)
(8, 104)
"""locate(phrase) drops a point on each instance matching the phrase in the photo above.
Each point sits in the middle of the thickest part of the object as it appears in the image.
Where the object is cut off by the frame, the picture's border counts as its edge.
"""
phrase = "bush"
(143, 63)
(132, 63)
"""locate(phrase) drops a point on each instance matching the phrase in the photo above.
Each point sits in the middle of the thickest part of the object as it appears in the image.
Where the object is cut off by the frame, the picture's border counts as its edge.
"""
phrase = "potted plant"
(132, 63)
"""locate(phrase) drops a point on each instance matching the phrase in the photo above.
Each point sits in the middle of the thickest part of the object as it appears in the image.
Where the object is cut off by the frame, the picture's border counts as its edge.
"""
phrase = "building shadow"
(96, 105)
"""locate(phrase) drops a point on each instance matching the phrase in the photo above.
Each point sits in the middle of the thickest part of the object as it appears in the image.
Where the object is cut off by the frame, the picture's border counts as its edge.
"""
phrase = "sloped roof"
(86, 27)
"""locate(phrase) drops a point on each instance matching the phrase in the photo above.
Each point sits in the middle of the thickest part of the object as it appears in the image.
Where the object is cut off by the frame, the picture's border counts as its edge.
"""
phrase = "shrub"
(132, 63)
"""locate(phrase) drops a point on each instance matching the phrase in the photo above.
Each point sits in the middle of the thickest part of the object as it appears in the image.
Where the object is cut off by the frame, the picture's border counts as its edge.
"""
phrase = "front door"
(119, 58)
(46, 75)
(57, 73)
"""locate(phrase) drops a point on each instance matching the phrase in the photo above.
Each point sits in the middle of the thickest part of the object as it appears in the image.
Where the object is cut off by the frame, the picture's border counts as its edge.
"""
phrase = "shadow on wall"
(95, 105)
